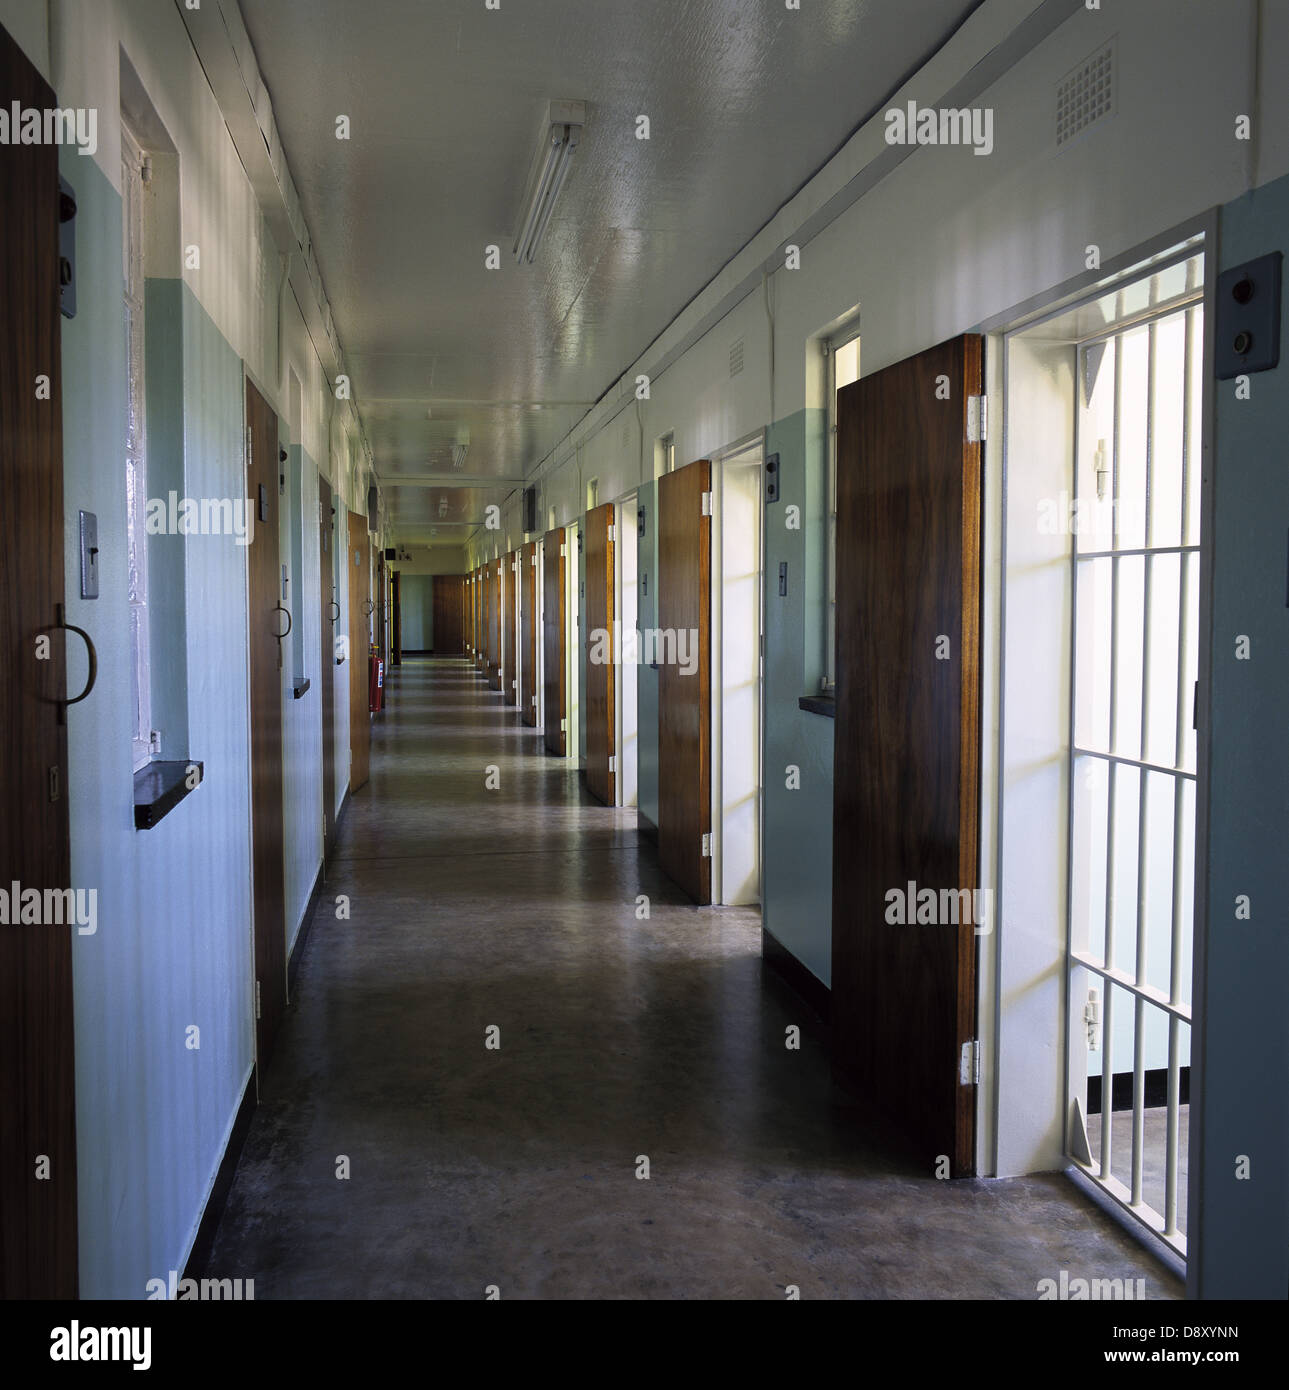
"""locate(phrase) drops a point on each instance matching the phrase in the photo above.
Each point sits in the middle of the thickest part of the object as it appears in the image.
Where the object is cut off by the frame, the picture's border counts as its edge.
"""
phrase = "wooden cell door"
(509, 580)
(495, 568)
(528, 633)
(907, 743)
(37, 1074)
(553, 642)
(360, 607)
(378, 610)
(267, 618)
(685, 700)
(396, 637)
(327, 662)
(449, 605)
(597, 634)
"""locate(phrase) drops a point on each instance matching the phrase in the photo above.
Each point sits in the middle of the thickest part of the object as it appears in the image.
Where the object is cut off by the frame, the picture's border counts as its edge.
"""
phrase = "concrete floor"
(619, 1038)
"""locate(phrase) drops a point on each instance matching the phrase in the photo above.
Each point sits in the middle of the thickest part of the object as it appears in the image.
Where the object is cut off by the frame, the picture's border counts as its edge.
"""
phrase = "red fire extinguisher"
(375, 684)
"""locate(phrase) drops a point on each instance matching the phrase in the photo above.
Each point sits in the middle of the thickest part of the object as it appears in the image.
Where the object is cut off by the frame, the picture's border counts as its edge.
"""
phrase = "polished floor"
(621, 1040)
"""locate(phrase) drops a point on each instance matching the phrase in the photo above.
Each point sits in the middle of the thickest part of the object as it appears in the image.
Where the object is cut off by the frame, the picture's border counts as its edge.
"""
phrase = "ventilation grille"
(1085, 95)
(736, 358)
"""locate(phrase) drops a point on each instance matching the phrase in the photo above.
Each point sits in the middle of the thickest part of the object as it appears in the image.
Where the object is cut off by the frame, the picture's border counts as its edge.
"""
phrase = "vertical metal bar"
(1071, 1032)
(1107, 1035)
(1143, 785)
(1171, 1144)
(1173, 1132)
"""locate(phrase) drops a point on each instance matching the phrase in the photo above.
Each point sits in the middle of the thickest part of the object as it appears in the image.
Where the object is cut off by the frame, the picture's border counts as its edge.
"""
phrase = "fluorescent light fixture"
(563, 134)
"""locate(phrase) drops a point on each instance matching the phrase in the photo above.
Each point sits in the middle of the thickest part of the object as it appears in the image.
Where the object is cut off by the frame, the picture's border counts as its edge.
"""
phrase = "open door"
(360, 606)
(268, 622)
(553, 620)
(907, 745)
(509, 578)
(495, 568)
(326, 665)
(528, 633)
(37, 1073)
(684, 692)
(597, 633)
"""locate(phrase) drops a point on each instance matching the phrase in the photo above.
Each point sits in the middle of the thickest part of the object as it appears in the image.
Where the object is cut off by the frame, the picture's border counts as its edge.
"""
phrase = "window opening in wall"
(841, 359)
(592, 494)
(136, 470)
(1134, 518)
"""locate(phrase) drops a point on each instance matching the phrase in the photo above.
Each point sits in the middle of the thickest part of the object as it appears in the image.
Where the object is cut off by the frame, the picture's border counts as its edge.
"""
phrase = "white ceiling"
(446, 100)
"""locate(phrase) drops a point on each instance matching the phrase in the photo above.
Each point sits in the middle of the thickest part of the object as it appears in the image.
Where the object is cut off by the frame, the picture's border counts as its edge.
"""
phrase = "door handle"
(371, 608)
(335, 617)
(60, 621)
(282, 636)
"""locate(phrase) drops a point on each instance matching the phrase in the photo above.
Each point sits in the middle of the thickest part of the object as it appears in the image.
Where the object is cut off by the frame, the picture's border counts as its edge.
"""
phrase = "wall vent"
(1085, 95)
(736, 358)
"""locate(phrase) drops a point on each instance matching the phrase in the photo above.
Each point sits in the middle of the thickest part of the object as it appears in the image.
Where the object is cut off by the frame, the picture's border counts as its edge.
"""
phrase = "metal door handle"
(281, 636)
(371, 608)
(60, 621)
(335, 618)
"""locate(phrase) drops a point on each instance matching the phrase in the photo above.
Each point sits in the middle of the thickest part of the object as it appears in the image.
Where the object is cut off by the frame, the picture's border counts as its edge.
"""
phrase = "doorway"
(626, 637)
(737, 674)
(1114, 384)
(269, 624)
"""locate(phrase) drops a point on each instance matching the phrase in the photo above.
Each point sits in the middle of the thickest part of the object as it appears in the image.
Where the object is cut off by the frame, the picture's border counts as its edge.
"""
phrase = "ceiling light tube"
(563, 134)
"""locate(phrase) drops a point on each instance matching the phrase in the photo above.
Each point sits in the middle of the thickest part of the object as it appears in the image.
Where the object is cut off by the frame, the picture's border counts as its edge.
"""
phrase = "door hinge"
(613, 762)
(257, 999)
(977, 419)
(532, 560)
(706, 850)
(611, 533)
(707, 503)
(533, 701)
(969, 1064)
(563, 549)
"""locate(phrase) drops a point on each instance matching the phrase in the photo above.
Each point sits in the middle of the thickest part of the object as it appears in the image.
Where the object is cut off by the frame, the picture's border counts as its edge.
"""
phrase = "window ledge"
(819, 704)
(299, 687)
(159, 787)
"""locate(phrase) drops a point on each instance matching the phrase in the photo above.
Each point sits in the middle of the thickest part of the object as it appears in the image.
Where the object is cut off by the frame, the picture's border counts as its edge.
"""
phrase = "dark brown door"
(495, 568)
(476, 605)
(382, 608)
(528, 633)
(327, 662)
(906, 762)
(37, 1076)
(396, 638)
(684, 701)
(449, 605)
(509, 576)
(267, 619)
(359, 562)
(553, 640)
(597, 634)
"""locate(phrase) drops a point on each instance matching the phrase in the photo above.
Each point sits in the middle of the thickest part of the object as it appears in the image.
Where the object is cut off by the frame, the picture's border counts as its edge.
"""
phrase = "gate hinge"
(707, 503)
(969, 1064)
(977, 419)
(706, 851)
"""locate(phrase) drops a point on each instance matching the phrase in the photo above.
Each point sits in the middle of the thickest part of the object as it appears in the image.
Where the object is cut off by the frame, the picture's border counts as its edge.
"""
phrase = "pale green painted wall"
(797, 842)
(173, 947)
